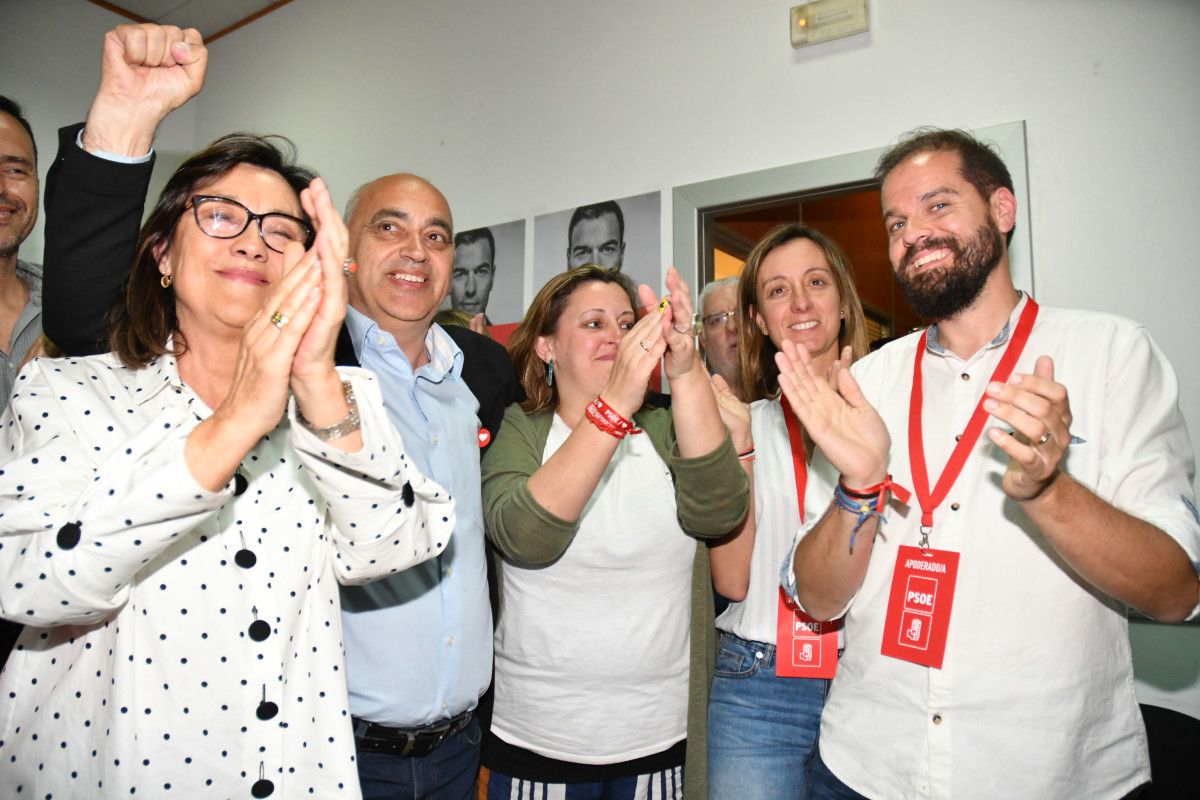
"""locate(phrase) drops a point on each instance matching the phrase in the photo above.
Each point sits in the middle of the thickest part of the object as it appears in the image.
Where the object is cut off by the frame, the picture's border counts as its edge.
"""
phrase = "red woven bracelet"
(608, 419)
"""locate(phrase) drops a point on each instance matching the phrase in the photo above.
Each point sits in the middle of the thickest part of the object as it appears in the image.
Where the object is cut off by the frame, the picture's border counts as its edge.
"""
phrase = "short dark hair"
(145, 318)
(476, 235)
(13, 109)
(596, 211)
(981, 167)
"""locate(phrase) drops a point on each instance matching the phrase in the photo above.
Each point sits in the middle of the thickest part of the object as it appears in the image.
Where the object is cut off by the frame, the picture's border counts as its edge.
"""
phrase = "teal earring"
(550, 373)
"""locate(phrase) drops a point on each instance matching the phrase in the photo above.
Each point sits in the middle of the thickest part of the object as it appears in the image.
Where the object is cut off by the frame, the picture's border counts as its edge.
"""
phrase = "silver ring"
(643, 345)
(279, 320)
(1045, 438)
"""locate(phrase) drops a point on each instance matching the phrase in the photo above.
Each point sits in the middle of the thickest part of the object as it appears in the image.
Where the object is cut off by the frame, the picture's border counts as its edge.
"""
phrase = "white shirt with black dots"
(184, 642)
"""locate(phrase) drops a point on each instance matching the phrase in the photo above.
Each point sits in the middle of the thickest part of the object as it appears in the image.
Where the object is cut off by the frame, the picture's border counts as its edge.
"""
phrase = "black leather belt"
(371, 737)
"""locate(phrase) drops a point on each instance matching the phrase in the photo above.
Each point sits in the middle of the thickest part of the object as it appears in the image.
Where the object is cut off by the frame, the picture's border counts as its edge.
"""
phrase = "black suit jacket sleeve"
(93, 214)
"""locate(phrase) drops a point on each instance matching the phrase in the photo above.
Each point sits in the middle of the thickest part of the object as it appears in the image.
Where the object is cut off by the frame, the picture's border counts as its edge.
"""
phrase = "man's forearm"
(1121, 555)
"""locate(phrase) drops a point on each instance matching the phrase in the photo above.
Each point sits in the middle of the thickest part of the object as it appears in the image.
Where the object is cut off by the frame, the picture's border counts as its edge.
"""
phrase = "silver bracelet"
(347, 426)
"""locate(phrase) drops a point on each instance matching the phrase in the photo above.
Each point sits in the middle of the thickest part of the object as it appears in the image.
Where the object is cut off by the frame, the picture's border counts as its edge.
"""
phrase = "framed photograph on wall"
(489, 272)
(624, 233)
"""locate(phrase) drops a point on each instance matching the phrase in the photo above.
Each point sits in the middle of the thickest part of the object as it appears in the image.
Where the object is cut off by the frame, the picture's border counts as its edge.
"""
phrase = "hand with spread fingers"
(638, 354)
(146, 72)
(839, 419)
(1039, 413)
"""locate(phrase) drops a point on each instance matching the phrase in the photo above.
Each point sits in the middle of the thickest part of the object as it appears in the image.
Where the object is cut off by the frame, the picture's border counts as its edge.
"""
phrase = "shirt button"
(954, 506)
(266, 710)
(262, 788)
(381, 341)
(449, 571)
(937, 719)
(449, 640)
(434, 438)
(965, 376)
(445, 706)
(259, 630)
(68, 535)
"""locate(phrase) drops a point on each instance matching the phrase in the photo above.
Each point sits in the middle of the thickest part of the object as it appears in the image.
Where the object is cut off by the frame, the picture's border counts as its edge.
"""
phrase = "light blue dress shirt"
(419, 643)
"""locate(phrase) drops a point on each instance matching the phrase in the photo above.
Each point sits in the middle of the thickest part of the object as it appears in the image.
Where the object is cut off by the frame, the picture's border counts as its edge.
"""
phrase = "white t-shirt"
(1035, 697)
(592, 651)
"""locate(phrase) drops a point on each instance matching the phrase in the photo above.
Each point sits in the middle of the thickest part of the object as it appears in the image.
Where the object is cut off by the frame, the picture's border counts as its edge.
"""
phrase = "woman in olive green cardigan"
(597, 504)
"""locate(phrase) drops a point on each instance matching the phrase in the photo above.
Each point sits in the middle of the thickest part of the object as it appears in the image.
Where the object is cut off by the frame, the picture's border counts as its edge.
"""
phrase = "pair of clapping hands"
(853, 436)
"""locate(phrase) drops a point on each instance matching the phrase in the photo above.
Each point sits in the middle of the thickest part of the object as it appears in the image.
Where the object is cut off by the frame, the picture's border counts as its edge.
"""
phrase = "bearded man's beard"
(942, 292)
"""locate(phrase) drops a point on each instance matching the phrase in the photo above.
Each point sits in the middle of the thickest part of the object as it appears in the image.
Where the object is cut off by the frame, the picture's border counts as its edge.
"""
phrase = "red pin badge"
(485, 436)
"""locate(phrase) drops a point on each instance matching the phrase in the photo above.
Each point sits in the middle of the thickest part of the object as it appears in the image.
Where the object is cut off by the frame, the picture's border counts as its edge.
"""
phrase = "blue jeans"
(762, 730)
(824, 785)
(448, 773)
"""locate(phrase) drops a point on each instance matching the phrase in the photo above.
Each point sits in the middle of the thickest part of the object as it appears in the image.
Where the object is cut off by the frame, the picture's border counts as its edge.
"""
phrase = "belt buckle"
(410, 741)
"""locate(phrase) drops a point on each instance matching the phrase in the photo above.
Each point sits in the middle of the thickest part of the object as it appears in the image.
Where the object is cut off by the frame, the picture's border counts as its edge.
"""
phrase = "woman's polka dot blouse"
(184, 643)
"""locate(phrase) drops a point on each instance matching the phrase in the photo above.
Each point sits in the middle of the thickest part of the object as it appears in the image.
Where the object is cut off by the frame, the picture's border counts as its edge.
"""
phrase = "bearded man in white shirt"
(987, 643)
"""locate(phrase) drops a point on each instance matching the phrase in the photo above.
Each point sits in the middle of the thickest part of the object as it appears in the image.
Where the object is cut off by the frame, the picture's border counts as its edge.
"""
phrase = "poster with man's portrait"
(621, 233)
(488, 276)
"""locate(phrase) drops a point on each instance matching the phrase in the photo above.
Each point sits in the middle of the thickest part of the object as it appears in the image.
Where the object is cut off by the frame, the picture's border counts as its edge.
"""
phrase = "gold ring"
(279, 320)
(1045, 438)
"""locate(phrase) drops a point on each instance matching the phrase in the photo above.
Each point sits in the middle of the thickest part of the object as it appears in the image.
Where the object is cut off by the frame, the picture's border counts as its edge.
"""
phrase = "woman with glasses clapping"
(176, 515)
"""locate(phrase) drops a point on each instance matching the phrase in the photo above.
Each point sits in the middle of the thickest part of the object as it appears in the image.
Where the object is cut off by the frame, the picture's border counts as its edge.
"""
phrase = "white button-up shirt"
(1035, 697)
(777, 518)
(166, 660)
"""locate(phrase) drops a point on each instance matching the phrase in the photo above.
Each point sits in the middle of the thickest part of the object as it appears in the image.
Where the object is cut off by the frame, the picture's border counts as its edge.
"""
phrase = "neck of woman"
(208, 366)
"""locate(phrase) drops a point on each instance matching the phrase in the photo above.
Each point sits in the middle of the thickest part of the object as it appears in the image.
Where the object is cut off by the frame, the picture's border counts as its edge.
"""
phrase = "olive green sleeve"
(523, 531)
(712, 491)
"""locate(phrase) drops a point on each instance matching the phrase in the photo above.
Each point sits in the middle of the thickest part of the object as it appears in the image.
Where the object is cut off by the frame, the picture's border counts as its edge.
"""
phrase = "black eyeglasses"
(222, 218)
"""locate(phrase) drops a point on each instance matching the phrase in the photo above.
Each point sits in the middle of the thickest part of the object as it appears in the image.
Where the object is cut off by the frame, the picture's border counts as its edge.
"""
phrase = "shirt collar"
(158, 375)
(445, 357)
(32, 275)
(934, 346)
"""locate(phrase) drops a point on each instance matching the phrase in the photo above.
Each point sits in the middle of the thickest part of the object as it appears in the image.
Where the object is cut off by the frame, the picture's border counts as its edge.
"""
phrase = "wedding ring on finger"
(349, 267)
(279, 319)
(693, 330)
(642, 344)
(1045, 438)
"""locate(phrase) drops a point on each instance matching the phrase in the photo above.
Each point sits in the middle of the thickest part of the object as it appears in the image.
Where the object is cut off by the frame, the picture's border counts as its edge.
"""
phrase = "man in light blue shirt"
(419, 644)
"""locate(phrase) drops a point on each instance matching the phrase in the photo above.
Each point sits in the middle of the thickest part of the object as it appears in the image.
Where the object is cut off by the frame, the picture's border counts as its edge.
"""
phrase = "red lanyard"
(799, 465)
(970, 435)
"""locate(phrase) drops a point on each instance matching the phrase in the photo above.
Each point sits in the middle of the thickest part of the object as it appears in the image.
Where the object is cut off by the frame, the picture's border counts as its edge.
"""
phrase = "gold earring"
(165, 281)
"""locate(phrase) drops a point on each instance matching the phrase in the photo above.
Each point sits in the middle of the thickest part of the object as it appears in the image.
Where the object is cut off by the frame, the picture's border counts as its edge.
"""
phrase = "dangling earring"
(165, 281)
(841, 315)
(550, 373)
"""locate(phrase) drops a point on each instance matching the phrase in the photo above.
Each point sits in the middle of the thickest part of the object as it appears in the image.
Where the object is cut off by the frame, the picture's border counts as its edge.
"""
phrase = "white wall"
(518, 109)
